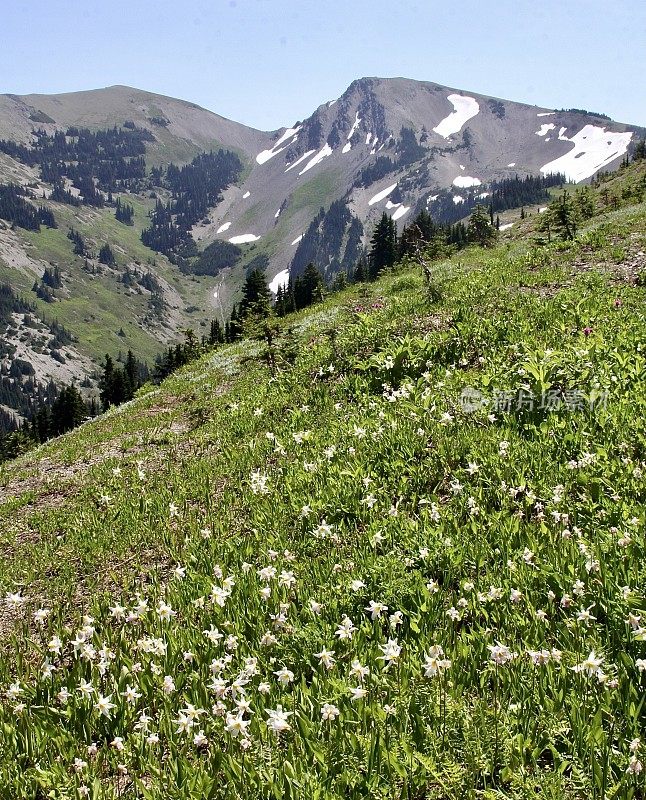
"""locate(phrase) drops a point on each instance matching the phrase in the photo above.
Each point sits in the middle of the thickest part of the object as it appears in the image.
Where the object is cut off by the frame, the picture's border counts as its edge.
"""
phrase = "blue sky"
(267, 63)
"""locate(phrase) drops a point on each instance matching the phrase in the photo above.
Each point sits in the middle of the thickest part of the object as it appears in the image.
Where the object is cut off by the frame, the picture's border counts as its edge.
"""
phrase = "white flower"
(391, 652)
(326, 657)
(168, 685)
(131, 694)
(591, 665)
(376, 609)
(165, 611)
(357, 585)
(117, 743)
(500, 654)
(329, 712)
(345, 629)
(277, 721)
(236, 725)
(41, 615)
(358, 692)
(357, 670)
(284, 676)
(200, 740)
(184, 723)
(15, 600)
(104, 705)
(315, 607)
(434, 662)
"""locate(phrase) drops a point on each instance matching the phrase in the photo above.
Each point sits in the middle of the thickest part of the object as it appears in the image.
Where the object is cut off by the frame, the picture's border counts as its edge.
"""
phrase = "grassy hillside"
(408, 565)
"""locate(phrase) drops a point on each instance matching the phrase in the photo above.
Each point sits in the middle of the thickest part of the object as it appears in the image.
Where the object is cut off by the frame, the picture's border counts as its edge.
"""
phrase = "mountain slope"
(311, 191)
(392, 145)
(337, 578)
(181, 129)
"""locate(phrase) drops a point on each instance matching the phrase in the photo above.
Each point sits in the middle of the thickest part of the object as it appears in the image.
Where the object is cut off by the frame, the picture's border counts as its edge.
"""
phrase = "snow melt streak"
(464, 181)
(325, 151)
(282, 279)
(594, 148)
(464, 109)
(265, 155)
(381, 195)
(244, 238)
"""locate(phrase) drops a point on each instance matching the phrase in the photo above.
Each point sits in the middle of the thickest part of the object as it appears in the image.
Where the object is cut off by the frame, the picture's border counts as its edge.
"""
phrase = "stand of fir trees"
(119, 384)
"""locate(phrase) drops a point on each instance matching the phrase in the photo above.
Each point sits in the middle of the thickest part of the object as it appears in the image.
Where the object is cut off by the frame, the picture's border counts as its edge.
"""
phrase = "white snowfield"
(357, 120)
(594, 148)
(545, 128)
(282, 279)
(277, 214)
(506, 226)
(265, 155)
(546, 114)
(513, 164)
(325, 151)
(245, 195)
(382, 195)
(457, 199)
(542, 210)
(390, 205)
(400, 212)
(346, 147)
(300, 160)
(483, 195)
(464, 109)
(464, 181)
(244, 238)
(297, 239)
(224, 227)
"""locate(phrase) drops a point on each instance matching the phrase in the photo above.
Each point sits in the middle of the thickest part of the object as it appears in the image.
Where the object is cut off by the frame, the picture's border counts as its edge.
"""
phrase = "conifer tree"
(106, 256)
(383, 246)
(480, 229)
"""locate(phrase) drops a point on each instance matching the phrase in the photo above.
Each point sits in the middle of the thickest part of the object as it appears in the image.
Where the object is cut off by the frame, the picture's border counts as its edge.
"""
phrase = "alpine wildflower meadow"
(336, 578)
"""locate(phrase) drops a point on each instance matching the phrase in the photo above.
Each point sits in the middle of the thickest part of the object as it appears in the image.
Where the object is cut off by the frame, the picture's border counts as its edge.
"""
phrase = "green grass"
(508, 541)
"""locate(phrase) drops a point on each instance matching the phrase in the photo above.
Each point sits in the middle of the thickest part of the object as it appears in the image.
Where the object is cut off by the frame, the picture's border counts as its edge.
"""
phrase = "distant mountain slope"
(182, 129)
(311, 191)
(398, 145)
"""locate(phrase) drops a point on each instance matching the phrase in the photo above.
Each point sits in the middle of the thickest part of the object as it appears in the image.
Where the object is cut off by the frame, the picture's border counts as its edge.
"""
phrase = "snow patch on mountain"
(244, 238)
(545, 128)
(265, 155)
(506, 226)
(513, 164)
(464, 181)
(390, 205)
(297, 239)
(382, 195)
(400, 212)
(325, 151)
(594, 148)
(347, 147)
(357, 120)
(282, 279)
(245, 195)
(463, 109)
(224, 227)
(457, 199)
(546, 114)
(300, 160)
